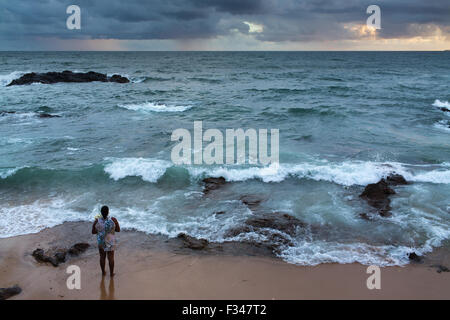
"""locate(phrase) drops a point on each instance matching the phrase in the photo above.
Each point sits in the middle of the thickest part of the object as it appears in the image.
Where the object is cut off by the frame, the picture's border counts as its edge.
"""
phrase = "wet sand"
(154, 267)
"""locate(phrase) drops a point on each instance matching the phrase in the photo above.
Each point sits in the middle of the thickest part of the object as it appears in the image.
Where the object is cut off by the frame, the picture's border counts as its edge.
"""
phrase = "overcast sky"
(224, 25)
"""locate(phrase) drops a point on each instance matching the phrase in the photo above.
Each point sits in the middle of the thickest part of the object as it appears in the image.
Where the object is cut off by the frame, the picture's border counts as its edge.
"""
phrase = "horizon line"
(444, 50)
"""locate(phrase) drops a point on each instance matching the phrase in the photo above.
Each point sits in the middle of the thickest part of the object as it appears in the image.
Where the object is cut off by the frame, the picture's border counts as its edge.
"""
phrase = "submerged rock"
(276, 227)
(277, 221)
(193, 243)
(5, 113)
(66, 76)
(251, 201)
(377, 194)
(213, 184)
(6, 293)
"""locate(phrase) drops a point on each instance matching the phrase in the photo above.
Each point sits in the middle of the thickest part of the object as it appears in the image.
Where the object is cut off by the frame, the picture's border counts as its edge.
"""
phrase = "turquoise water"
(346, 119)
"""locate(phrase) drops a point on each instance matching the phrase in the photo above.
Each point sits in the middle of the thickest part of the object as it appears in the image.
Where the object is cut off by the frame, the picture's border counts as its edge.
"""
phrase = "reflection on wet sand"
(107, 295)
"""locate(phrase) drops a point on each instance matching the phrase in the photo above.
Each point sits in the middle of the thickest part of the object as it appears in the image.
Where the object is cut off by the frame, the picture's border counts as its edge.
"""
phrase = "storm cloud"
(278, 20)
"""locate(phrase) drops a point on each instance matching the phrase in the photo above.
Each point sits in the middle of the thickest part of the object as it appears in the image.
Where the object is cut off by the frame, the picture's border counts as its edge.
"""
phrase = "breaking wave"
(345, 173)
(154, 107)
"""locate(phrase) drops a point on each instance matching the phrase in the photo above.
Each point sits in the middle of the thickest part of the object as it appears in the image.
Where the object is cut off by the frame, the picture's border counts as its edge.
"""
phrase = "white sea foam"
(154, 107)
(318, 252)
(443, 125)
(441, 104)
(149, 170)
(7, 172)
(32, 218)
(6, 79)
(138, 79)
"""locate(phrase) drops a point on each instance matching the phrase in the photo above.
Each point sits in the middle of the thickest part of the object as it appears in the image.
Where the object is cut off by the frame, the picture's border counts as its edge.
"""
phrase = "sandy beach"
(154, 267)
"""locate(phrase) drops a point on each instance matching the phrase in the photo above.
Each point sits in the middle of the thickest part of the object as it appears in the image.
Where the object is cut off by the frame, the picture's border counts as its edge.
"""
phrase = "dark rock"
(445, 109)
(219, 212)
(213, 184)
(441, 268)
(40, 256)
(276, 227)
(193, 243)
(377, 196)
(60, 257)
(366, 216)
(78, 248)
(414, 257)
(6, 293)
(66, 76)
(47, 115)
(4, 113)
(276, 221)
(118, 78)
(234, 232)
(396, 179)
(251, 201)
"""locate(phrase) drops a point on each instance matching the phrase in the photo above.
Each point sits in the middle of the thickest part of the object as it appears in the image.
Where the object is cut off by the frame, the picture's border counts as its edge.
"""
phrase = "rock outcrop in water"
(276, 227)
(5, 113)
(414, 257)
(445, 109)
(193, 243)
(377, 194)
(251, 201)
(213, 184)
(58, 256)
(6, 293)
(41, 115)
(66, 76)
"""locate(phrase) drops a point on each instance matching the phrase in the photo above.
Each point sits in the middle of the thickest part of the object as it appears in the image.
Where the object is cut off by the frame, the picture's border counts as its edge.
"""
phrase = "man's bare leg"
(102, 260)
(111, 262)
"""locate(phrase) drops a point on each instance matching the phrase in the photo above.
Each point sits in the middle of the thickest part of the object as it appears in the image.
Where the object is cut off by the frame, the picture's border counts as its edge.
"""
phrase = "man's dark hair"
(104, 211)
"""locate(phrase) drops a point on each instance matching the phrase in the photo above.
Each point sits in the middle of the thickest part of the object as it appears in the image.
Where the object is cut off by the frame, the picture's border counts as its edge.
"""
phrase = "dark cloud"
(283, 20)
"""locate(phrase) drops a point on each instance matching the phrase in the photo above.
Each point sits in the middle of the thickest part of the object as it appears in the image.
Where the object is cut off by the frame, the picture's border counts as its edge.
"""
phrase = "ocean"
(346, 119)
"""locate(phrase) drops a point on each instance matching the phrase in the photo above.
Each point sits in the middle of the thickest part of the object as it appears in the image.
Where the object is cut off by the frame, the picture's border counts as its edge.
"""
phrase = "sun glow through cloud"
(254, 28)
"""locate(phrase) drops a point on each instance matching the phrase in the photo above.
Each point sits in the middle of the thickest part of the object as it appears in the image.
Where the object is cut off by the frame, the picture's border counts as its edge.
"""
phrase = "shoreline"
(156, 267)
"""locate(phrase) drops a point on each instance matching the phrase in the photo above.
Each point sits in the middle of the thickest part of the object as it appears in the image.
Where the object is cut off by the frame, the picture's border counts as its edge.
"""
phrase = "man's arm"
(94, 230)
(116, 223)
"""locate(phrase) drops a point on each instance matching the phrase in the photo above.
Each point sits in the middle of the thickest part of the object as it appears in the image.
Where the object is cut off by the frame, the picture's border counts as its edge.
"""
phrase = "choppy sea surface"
(346, 119)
